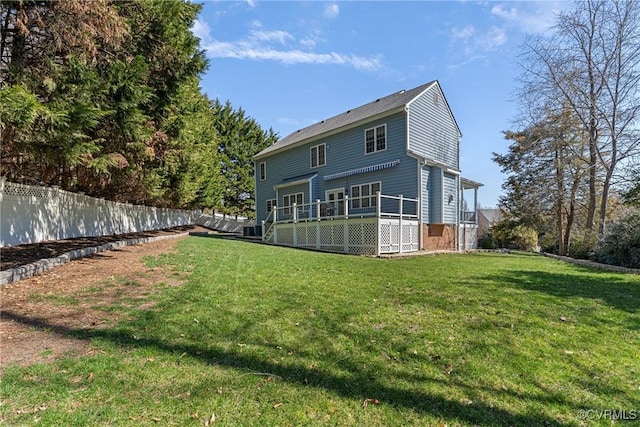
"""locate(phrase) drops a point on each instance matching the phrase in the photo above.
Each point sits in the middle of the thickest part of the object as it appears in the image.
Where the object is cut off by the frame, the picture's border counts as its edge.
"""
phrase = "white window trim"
(272, 202)
(333, 190)
(336, 190)
(371, 196)
(317, 155)
(287, 206)
(375, 139)
(262, 166)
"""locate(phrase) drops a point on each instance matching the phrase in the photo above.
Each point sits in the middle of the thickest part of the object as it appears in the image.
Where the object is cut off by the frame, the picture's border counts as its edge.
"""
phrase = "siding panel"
(435, 195)
(433, 132)
(426, 193)
(450, 198)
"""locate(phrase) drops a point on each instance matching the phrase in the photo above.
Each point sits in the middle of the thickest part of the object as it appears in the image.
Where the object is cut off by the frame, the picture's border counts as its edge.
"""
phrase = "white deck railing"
(370, 225)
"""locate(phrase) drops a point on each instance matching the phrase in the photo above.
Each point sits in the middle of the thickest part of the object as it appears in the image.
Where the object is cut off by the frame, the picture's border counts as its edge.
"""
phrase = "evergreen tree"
(240, 138)
(547, 167)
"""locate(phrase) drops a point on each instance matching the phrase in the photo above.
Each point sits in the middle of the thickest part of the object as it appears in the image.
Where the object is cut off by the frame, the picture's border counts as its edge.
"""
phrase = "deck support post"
(378, 231)
(345, 227)
(400, 227)
(318, 224)
(295, 224)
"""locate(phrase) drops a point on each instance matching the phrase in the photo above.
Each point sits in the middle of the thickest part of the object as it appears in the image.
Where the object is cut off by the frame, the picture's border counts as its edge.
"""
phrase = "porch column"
(475, 204)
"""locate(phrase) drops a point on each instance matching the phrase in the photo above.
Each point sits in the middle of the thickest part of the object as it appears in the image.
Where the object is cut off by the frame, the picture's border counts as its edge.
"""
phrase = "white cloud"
(531, 18)
(331, 10)
(274, 45)
(269, 36)
(475, 40)
(493, 38)
(201, 30)
(464, 33)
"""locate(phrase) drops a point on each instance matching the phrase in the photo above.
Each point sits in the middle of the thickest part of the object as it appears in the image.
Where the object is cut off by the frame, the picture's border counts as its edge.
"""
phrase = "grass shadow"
(359, 384)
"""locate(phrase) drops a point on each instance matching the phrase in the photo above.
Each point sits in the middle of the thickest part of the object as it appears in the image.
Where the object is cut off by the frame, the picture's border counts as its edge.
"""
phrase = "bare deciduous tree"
(591, 63)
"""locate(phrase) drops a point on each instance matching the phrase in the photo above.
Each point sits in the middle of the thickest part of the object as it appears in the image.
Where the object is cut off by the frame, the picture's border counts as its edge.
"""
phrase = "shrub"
(582, 247)
(487, 241)
(516, 236)
(621, 244)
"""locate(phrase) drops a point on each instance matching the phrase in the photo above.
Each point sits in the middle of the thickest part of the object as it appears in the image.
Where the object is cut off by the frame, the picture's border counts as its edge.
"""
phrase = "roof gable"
(379, 106)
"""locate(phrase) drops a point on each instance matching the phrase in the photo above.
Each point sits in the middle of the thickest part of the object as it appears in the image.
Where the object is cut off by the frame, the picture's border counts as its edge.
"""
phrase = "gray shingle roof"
(379, 106)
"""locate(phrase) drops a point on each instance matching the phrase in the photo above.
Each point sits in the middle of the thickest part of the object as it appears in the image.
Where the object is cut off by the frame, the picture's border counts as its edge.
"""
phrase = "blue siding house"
(380, 178)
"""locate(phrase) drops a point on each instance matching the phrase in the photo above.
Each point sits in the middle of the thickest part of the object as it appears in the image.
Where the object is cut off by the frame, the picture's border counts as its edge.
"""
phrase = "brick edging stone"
(592, 264)
(35, 268)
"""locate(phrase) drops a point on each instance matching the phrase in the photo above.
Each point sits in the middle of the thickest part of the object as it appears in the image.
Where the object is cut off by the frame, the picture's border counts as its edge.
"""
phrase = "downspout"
(310, 196)
(442, 194)
(460, 221)
(419, 164)
(255, 192)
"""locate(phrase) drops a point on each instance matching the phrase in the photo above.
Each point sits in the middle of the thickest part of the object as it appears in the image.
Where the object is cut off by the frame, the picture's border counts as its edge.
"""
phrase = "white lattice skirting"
(353, 235)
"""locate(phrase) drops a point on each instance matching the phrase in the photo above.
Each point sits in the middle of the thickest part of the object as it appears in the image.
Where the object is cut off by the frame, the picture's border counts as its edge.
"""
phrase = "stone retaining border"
(25, 271)
(592, 264)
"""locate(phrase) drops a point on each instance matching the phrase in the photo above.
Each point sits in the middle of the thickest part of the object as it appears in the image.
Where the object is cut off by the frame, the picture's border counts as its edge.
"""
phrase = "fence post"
(295, 224)
(264, 232)
(55, 192)
(400, 226)
(345, 229)
(318, 224)
(378, 236)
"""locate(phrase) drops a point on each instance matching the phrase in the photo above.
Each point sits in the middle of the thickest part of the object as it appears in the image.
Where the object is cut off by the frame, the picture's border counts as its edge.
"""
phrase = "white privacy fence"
(225, 223)
(30, 214)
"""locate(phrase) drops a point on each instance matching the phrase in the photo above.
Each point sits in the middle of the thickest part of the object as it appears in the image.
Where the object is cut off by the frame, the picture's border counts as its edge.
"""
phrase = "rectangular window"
(263, 171)
(288, 201)
(355, 197)
(364, 195)
(318, 155)
(271, 203)
(375, 139)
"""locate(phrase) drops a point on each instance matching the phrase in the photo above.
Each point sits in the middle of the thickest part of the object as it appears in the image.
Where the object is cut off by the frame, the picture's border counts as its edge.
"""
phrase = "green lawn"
(262, 335)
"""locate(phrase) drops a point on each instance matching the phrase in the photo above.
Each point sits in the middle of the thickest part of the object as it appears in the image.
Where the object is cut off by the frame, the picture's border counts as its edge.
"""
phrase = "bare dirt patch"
(39, 314)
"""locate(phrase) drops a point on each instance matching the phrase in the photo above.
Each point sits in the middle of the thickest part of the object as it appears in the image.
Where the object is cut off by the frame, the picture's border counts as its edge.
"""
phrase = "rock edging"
(593, 264)
(35, 268)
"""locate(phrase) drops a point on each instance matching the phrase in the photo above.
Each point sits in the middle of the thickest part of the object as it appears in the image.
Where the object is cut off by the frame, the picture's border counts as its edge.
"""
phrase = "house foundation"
(438, 237)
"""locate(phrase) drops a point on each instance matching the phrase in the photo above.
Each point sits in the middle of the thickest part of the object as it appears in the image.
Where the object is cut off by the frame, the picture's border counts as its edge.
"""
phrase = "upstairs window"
(263, 171)
(318, 157)
(375, 139)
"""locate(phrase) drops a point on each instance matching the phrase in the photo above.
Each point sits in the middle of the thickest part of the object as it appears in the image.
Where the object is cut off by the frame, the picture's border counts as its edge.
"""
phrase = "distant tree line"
(572, 165)
(103, 97)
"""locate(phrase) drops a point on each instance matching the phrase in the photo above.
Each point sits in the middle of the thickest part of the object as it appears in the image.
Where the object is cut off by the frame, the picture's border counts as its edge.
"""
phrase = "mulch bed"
(15, 256)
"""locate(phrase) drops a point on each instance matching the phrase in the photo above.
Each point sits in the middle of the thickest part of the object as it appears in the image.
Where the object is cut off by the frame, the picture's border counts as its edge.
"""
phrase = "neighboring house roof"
(489, 216)
(379, 106)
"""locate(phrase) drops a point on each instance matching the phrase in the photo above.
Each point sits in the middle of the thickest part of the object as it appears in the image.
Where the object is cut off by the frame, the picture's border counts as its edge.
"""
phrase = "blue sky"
(292, 64)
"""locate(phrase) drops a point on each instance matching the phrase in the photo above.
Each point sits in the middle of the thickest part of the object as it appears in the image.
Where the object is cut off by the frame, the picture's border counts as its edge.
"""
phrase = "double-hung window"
(364, 195)
(289, 199)
(263, 171)
(318, 155)
(375, 139)
(271, 203)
